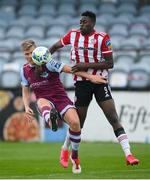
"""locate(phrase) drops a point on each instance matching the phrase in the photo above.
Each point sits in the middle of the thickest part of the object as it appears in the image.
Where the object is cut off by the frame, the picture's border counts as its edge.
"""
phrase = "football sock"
(45, 111)
(123, 140)
(75, 138)
(67, 141)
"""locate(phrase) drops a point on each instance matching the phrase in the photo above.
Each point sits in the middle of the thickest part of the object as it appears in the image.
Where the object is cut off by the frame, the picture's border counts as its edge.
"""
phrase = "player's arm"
(93, 78)
(55, 47)
(65, 40)
(106, 61)
(26, 101)
(26, 94)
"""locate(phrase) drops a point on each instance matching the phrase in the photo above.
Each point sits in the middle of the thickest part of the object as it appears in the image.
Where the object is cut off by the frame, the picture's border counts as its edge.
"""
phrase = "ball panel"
(41, 55)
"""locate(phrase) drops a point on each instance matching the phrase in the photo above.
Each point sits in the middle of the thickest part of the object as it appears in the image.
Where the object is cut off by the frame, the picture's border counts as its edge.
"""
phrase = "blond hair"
(27, 44)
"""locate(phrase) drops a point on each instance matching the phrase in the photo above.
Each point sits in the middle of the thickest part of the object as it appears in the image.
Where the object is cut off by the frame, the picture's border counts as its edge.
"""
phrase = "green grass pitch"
(98, 160)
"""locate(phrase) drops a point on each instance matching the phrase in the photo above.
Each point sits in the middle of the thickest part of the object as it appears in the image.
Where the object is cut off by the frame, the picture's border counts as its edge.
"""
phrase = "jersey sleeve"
(106, 46)
(24, 81)
(55, 66)
(65, 40)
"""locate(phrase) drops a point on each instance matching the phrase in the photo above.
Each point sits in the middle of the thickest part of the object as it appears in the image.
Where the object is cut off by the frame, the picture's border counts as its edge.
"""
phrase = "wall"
(133, 110)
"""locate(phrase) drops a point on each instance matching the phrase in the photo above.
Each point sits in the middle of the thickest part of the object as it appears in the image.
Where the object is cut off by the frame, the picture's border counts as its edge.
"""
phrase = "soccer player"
(45, 83)
(92, 52)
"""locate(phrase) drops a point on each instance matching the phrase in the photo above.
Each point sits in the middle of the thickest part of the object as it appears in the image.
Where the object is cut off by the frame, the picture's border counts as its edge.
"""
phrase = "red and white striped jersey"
(88, 48)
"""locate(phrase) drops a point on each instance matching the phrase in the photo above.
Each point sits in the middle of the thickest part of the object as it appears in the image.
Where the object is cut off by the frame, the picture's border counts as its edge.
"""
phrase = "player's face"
(86, 25)
(28, 55)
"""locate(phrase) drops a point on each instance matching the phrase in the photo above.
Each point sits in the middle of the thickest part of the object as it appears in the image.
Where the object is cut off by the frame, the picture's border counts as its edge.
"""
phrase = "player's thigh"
(83, 93)
(108, 106)
(82, 112)
(43, 102)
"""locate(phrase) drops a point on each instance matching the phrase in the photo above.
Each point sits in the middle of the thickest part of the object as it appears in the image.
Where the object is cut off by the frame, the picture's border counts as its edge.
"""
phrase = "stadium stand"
(127, 22)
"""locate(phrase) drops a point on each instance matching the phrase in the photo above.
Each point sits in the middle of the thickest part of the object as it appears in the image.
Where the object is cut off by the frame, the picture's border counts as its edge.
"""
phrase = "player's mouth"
(82, 29)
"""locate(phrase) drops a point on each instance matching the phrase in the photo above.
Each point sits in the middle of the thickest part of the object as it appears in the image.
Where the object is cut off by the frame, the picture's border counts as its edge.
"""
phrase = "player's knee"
(75, 125)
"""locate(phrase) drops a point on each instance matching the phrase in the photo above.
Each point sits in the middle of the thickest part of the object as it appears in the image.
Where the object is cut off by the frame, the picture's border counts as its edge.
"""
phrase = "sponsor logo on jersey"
(93, 41)
(44, 74)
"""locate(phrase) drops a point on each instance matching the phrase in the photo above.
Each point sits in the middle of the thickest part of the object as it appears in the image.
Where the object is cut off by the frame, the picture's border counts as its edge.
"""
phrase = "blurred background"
(45, 21)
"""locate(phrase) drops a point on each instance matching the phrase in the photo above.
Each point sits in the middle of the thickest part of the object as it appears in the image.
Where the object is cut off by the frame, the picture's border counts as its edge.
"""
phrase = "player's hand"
(98, 79)
(29, 113)
(79, 67)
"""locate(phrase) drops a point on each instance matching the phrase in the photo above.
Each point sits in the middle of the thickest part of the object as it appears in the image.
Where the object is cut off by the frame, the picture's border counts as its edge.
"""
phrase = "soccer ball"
(41, 55)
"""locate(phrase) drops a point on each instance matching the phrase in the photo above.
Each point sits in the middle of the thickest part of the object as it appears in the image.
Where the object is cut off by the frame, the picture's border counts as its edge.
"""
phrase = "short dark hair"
(90, 14)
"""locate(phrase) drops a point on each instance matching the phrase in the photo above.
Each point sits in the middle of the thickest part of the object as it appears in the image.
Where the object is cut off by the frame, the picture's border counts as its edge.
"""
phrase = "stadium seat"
(120, 20)
(3, 24)
(127, 52)
(115, 40)
(121, 31)
(100, 28)
(125, 59)
(29, 2)
(7, 15)
(6, 45)
(2, 33)
(138, 29)
(145, 59)
(35, 31)
(17, 55)
(141, 20)
(119, 75)
(15, 32)
(133, 2)
(5, 56)
(130, 43)
(107, 8)
(29, 10)
(47, 2)
(144, 9)
(1, 67)
(47, 42)
(38, 22)
(56, 31)
(20, 62)
(127, 8)
(95, 2)
(21, 22)
(47, 9)
(10, 76)
(146, 44)
(59, 21)
(10, 3)
(139, 76)
(85, 7)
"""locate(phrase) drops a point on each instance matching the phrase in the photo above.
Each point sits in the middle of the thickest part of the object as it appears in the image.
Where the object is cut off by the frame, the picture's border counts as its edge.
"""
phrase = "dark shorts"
(84, 91)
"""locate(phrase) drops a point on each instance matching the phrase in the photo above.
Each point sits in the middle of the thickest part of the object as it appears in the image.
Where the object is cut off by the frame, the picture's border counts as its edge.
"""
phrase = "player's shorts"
(84, 91)
(61, 102)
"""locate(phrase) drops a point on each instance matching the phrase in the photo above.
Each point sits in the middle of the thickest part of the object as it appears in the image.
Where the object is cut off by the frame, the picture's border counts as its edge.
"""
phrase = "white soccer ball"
(41, 55)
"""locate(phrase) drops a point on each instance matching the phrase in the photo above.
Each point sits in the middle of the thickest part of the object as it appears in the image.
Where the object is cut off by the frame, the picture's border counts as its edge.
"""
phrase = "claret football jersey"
(48, 83)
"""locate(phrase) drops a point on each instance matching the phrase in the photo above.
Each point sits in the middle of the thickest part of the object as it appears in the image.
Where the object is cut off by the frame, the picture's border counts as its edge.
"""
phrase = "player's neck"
(89, 33)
